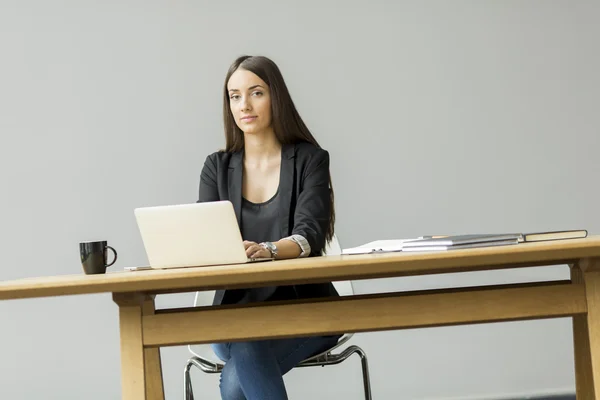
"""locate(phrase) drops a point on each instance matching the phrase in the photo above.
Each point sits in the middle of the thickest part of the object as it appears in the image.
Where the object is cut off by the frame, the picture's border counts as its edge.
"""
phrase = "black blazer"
(304, 206)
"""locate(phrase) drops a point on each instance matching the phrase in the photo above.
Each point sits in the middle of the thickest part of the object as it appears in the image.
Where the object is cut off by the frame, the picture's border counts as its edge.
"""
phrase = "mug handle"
(115, 253)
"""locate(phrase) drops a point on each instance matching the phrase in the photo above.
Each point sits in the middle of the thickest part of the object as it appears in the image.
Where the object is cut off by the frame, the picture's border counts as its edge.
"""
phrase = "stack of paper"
(454, 242)
(378, 246)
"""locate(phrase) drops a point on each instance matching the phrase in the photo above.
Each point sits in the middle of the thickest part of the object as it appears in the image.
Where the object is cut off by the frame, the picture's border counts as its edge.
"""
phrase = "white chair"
(204, 358)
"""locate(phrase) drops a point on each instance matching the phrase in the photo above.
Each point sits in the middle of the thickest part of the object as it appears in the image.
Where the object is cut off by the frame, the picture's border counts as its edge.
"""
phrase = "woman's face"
(249, 101)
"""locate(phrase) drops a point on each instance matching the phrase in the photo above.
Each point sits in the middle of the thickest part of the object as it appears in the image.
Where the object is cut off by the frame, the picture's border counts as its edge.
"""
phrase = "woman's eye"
(234, 97)
(257, 93)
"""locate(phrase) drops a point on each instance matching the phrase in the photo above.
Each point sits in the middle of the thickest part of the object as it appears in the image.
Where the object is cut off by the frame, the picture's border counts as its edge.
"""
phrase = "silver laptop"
(191, 235)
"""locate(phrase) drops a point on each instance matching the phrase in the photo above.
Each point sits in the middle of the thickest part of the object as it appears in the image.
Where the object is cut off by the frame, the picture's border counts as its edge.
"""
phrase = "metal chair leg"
(365, 370)
(188, 393)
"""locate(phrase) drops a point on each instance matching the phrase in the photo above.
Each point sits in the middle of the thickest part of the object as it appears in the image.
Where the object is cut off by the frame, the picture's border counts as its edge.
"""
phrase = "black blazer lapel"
(234, 184)
(286, 186)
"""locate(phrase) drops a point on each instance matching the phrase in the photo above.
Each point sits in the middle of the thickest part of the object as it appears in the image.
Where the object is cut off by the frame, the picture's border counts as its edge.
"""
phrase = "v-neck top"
(260, 221)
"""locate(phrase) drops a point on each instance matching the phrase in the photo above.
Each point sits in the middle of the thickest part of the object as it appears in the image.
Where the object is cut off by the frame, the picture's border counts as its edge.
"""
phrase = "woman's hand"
(255, 250)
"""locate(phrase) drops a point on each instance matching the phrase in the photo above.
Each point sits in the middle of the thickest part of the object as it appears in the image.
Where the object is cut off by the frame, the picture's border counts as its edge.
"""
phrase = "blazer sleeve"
(311, 217)
(208, 190)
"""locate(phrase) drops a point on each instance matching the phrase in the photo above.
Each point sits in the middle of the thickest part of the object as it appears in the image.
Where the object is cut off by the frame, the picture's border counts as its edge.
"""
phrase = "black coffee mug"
(94, 257)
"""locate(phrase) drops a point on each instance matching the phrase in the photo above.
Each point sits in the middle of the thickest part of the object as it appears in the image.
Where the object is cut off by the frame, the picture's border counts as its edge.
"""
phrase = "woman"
(277, 177)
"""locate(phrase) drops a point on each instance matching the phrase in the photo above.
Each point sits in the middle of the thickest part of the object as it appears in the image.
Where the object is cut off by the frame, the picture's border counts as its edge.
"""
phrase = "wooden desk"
(144, 329)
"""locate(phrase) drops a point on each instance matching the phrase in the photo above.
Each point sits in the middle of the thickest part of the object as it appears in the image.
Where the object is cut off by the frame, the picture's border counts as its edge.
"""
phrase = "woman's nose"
(245, 104)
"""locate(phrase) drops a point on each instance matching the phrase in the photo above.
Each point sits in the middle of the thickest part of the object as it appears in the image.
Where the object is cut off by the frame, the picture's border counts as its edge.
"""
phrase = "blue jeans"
(254, 370)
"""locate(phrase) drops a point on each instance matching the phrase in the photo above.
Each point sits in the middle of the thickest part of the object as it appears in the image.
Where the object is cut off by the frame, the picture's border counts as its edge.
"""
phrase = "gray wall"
(440, 117)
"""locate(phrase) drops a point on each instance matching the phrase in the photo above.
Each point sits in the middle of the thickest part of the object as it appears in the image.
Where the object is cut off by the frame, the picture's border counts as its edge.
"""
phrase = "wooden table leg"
(154, 380)
(586, 331)
(132, 347)
(584, 379)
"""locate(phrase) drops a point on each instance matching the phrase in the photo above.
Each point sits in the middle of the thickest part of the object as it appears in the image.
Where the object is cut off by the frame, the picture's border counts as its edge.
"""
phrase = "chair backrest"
(344, 288)
(204, 298)
(333, 248)
(204, 351)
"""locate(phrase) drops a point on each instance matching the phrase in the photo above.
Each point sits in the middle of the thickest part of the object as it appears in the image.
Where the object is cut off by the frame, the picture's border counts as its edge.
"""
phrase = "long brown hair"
(287, 124)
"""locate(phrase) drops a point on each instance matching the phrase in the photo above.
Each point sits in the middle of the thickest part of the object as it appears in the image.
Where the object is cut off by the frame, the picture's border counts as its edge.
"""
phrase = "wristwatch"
(271, 247)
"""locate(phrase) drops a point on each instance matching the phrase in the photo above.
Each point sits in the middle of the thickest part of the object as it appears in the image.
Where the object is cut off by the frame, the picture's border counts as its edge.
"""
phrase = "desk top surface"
(306, 270)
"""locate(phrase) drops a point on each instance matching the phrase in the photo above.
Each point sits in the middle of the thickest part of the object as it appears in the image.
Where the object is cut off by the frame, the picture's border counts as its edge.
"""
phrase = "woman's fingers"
(253, 249)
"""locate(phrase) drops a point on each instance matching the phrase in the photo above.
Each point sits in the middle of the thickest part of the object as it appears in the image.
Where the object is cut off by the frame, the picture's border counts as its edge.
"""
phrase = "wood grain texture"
(318, 269)
(154, 380)
(364, 313)
(584, 378)
(591, 277)
(132, 348)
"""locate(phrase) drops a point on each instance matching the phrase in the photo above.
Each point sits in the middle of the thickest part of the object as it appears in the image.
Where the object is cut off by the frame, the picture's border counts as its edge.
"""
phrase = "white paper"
(378, 246)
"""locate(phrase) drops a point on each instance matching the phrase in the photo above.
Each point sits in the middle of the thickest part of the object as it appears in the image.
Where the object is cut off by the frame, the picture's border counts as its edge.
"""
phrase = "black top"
(260, 220)
(302, 206)
(259, 224)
